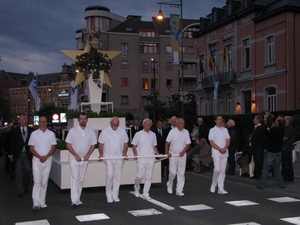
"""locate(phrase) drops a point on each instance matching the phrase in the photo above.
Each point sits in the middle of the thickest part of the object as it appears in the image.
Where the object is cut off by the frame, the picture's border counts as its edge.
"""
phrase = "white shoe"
(222, 192)
(79, 202)
(212, 189)
(179, 193)
(147, 197)
(169, 188)
(43, 206)
(137, 193)
(109, 200)
(116, 199)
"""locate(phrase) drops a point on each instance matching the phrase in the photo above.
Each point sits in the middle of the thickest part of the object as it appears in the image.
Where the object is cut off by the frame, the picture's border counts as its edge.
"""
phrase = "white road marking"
(242, 203)
(34, 222)
(292, 220)
(144, 212)
(92, 217)
(163, 205)
(247, 223)
(284, 199)
(195, 207)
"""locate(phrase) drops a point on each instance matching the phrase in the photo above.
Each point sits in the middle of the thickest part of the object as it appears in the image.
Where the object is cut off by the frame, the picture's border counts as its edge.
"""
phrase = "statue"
(92, 38)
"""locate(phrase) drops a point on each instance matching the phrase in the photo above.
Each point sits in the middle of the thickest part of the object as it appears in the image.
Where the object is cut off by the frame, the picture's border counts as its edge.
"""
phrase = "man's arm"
(167, 149)
(88, 154)
(100, 150)
(72, 151)
(187, 146)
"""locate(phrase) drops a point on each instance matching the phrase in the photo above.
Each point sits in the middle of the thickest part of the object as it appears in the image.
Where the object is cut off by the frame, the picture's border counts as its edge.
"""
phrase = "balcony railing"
(223, 78)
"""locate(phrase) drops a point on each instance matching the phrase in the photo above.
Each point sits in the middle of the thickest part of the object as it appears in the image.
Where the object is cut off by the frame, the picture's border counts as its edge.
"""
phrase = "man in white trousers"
(144, 144)
(80, 142)
(42, 146)
(177, 142)
(219, 140)
(113, 142)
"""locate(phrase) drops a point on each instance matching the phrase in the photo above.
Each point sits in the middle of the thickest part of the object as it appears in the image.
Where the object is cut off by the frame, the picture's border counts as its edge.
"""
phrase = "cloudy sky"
(33, 32)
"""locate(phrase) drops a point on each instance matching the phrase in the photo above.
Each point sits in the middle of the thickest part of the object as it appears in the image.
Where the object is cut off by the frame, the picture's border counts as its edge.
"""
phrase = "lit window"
(145, 84)
(124, 81)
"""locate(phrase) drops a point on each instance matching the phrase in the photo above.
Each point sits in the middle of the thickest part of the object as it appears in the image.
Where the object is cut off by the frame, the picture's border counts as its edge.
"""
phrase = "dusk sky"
(33, 32)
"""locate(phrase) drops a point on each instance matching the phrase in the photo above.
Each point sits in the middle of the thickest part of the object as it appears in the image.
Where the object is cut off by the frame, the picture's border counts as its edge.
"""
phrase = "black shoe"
(288, 180)
(245, 175)
(20, 195)
(74, 205)
(256, 178)
(259, 187)
(282, 186)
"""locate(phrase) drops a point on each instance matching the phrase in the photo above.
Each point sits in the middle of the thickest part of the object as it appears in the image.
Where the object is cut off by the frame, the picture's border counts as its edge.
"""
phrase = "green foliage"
(61, 145)
(49, 109)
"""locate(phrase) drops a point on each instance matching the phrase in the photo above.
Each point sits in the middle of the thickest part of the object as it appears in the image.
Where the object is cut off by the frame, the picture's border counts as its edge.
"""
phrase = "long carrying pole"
(134, 157)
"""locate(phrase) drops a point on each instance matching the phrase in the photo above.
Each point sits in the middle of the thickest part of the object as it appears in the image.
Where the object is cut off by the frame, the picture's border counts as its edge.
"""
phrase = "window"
(169, 66)
(124, 99)
(246, 53)
(148, 48)
(124, 64)
(145, 84)
(169, 51)
(212, 65)
(202, 106)
(229, 106)
(144, 101)
(145, 66)
(190, 50)
(270, 50)
(183, 48)
(201, 64)
(124, 81)
(153, 65)
(169, 83)
(271, 99)
(229, 8)
(147, 33)
(124, 49)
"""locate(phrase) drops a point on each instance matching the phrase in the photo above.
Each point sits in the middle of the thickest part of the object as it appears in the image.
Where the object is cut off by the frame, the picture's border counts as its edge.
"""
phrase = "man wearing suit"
(20, 154)
(258, 144)
(135, 127)
(161, 135)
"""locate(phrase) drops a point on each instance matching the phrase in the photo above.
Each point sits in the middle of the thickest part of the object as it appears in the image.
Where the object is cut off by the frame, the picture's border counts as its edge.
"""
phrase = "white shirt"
(42, 141)
(81, 141)
(178, 140)
(219, 135)
(113, 141)
(145, 142)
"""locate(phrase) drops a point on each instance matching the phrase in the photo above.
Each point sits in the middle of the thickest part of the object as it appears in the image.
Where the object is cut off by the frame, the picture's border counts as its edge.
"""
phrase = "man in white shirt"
(219, 140)
(80, 142)
(177, 142)
(113, 142)
(42, 146)
(144, 143)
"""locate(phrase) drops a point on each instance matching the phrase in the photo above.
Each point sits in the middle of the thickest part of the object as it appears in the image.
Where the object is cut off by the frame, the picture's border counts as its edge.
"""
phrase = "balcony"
(224, 78)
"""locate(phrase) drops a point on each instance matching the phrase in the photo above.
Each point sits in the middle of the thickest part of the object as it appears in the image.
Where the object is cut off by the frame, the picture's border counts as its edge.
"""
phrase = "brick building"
(260, 70)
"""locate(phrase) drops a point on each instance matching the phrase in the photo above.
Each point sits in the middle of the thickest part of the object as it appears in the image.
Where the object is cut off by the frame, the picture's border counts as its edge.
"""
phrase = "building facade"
(145, 61)
(249, 58)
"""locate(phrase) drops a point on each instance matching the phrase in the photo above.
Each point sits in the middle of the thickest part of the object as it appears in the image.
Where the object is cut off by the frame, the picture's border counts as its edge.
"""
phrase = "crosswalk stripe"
(248, 223)
(92, 217)
(242, 203)
(163, 205)
(195, 207)
(145, 212)
(293, 220)
(34, 222)
(284, 199)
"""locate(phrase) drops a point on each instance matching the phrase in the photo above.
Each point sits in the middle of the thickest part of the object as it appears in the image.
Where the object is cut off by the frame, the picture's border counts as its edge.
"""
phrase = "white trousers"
(40, 173)
(113, 178)
(177, 167)
(220, 164)
(144, 170)
(77, 172)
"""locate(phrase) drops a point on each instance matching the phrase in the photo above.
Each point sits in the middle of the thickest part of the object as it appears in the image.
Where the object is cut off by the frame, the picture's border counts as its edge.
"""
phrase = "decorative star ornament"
(79, 75)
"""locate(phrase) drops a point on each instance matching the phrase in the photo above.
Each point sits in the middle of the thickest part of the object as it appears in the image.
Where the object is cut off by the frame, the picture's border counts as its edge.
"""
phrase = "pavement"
(244, 204)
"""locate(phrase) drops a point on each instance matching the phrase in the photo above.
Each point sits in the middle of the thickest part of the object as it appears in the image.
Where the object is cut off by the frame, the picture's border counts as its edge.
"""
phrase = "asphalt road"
(198, 206)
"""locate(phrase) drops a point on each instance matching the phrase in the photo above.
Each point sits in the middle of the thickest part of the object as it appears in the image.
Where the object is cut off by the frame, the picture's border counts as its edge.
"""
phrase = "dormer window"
(245, 3)
(229, 8)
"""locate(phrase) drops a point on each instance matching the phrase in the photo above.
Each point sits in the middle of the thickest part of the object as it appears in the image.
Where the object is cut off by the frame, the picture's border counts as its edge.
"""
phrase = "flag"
(175, 34)
(211, 62)
(33, 88)
(73, 103)
(216, 86)
(38, 103)
(225, 55)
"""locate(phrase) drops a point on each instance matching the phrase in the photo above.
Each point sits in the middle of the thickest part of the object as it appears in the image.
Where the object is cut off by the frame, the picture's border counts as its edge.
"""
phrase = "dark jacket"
(17, 143)
(160, 139)
(275, 136)
(258, 137)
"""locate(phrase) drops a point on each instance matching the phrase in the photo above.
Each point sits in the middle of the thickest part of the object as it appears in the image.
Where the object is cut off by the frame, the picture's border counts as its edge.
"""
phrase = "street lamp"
(161, 16)
(153, 61)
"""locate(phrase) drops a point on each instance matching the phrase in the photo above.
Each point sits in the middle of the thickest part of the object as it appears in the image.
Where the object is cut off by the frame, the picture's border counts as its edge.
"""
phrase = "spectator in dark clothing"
(201, 129)
(287, 148)
(275, 134)
(233, 147)
(258, 144)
